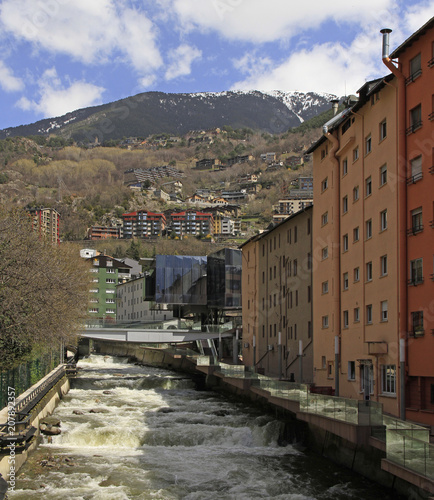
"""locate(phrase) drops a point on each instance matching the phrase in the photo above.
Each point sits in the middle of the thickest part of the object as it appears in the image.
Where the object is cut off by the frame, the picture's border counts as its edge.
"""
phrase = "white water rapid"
(134, 432)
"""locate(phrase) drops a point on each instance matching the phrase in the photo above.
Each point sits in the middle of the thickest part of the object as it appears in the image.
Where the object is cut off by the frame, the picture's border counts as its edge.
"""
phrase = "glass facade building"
(224, 279)
(181, 279)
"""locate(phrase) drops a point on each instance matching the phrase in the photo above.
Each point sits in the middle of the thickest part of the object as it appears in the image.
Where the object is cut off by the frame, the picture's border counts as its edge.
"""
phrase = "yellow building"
(355, 249)
(277, 300)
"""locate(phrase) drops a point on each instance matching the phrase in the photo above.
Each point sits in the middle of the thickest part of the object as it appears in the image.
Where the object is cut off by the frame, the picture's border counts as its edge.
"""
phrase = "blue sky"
(61, 55)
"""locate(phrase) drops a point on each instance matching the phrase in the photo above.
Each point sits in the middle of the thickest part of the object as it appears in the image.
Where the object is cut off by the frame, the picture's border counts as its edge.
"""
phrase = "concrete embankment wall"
(352, 448)
(45, 407)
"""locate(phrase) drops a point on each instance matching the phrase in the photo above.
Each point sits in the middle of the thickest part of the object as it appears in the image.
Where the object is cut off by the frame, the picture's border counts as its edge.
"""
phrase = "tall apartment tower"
(412, 63)
(46, 222)
(277, 299)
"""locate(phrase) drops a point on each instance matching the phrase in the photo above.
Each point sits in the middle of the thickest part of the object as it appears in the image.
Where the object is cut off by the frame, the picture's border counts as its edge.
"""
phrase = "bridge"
(166, 332)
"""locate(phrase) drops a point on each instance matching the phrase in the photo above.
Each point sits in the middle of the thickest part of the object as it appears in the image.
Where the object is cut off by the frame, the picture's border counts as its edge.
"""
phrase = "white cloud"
(332, 67)
(259, 21)
(418, 15)
(180, 61)
(9, 82)
(92, 32)
(56, 99)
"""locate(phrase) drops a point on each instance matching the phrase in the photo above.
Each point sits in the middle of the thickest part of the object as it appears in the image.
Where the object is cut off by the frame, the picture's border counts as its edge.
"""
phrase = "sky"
(60, 55)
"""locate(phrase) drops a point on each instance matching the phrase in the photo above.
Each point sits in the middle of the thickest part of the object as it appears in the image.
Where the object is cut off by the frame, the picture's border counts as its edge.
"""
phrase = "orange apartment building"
(277, 299)
(373, 300)
(355, 248)
(414, 70)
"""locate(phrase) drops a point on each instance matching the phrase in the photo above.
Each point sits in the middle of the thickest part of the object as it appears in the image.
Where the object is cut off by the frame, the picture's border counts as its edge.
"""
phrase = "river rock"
(107, 392)
(51, 430)
(165, 410)
(98, 410)
(51, 421)
(78, 412)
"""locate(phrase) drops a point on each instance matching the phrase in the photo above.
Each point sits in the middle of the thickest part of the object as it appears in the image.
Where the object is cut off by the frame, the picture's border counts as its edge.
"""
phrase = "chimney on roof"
(335, 104)
(386, 32)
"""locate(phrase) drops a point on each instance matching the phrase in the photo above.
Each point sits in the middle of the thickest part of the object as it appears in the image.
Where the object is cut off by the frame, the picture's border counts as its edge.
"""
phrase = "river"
(145, 433)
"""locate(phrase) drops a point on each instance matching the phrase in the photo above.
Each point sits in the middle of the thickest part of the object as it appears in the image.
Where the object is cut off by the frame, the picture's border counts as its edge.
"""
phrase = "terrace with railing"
(407, 445)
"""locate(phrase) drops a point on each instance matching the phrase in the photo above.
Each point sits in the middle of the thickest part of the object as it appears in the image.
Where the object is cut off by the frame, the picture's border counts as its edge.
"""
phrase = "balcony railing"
(414, 178)
(431, 116)
(431, 63)
(413, 76)
(431, 170)
(416, 333)
(412, 128)
(415, 230)
(415, 281)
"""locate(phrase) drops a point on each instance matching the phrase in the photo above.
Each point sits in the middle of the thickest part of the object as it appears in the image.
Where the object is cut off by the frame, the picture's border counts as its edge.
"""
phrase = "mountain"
(157, 112)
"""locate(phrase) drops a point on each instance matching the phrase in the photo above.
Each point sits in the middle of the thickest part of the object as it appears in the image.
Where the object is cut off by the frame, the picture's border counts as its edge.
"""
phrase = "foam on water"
(145, 433)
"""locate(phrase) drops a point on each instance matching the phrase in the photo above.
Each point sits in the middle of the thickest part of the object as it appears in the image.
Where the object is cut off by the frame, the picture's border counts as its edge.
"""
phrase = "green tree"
(43, 290)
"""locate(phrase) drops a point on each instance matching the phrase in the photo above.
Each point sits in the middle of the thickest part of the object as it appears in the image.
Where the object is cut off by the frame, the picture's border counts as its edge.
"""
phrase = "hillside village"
(237, 182)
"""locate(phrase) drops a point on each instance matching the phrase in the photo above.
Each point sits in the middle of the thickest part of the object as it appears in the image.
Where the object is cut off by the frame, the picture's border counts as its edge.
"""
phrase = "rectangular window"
(323, 362)
(356, 234)
(325, 287)
(415, 119)
(351, 370)
(308, 226)
(388, 379)
(356, 274)
(417, 323)
(295, 267)
(369, 229)
(295, 234)
(383, 175)
(324, 218)
(345, 243)
(355, 154)
(324, 184)
(325, 321)
(383, 220)
(416, 271)
(356, 193)
(345, 204)
(416, 220)
(356, 314)
(344, 167)
(383, 130)
(345, 319)
(368, 144)
(369, 314)
(369, 271)
(415, 68)
(345, 281)
(383, 265)
(416, 170)
(309, 294)
(325, 253)
(368, 186)
(384, 314)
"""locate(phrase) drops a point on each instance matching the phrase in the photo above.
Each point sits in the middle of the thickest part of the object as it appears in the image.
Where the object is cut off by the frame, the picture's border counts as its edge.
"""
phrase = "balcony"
(413, 76)
(414, 178)
(431, 63)
(415, 281)
(431, 223)
(412, 128)
(431, 170)
(416, 332)
(431, 116)
(414, 230)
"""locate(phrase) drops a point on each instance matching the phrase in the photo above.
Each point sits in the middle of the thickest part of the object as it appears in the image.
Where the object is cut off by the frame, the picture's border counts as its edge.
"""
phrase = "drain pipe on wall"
(402, 214)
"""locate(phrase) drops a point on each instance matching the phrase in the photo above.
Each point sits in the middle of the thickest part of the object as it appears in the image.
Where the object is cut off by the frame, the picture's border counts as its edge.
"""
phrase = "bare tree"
(43, 290)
